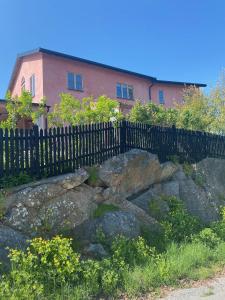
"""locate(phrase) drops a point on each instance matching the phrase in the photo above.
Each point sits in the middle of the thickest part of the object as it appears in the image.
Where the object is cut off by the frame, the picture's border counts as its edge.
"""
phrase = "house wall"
(172, 93)
(98, 81)
(30, 65)
(51, 79)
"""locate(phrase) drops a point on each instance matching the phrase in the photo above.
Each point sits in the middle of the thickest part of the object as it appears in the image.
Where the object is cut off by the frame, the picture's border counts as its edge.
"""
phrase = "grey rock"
(130, 172)
(110, 224)
(144, 199)
(61, 213)
(37, 193)
(10, 238)
(95, 251)
(197, 202)
(171, 188)
(151, 202)
(73, 180)
(168, 169)
(212, 175)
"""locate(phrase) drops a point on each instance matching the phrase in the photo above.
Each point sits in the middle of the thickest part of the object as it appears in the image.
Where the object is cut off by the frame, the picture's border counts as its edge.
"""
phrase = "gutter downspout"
(150, 93)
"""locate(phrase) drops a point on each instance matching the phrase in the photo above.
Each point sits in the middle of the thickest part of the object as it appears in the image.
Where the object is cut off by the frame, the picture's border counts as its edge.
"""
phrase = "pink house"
(48, 73)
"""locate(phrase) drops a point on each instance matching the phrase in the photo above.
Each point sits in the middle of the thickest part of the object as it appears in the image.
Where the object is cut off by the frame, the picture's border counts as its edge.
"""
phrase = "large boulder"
(111, 224)
(10, 238)
(36, 193)
(151, 201)
(52, 215)
(130, 172)
(195, 194)
(211, 172)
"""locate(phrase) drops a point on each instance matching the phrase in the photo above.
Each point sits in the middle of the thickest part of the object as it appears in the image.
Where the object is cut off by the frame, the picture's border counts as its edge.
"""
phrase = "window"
(150, 93)
(32, 85)
(22, 84)
(124, 91)
(161, 97)
(74, 81)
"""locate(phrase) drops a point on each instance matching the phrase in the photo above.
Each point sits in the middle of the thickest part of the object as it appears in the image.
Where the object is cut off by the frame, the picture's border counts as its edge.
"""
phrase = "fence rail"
(60, 150)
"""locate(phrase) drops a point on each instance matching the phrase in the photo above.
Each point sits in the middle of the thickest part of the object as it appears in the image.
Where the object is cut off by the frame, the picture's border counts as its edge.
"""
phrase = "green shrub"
(155, 209)
(133, 251)
(93, 175)
(104, 208)
(48, 260)
(188, 169)
(178, 224)
(154, 239)
(207, 237)
(12, 181)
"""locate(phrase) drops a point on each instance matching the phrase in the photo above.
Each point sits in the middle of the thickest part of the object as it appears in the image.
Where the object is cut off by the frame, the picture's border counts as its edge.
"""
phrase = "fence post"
(36, 151)
(174, 137)
(123, 136)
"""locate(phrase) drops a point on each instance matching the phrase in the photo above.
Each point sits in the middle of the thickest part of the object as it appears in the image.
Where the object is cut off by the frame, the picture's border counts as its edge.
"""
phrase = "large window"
(161, 97)
(32, 85)
(124, 91)
(74, 81)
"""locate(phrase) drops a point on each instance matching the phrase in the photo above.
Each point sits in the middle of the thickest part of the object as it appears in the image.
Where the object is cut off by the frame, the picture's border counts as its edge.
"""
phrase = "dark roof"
(181, 83)
(66, 56)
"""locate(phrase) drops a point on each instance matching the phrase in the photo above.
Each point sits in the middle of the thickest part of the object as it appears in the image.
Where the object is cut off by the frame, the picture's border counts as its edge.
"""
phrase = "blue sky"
(169, 39)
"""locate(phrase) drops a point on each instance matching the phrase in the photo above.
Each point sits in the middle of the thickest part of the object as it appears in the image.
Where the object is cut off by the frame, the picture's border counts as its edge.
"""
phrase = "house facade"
(48, 73)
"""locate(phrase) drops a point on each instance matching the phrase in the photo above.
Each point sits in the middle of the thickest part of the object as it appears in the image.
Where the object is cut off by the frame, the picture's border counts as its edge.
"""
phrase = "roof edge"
(182, 83)
(71, 57)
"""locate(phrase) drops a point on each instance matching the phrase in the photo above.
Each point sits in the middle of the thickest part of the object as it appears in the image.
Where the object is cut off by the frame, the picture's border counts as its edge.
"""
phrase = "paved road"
(212, 290)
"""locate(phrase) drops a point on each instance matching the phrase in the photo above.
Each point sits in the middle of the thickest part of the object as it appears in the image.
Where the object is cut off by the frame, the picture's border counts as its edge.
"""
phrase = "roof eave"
(182, 83)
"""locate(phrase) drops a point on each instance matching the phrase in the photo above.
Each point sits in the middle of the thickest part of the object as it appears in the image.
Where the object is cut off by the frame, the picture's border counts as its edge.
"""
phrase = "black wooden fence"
(60, 150)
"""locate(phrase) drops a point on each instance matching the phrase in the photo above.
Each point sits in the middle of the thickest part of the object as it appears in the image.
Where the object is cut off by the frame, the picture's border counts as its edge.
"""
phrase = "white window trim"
(127, 88)
(32, 85)
(75, 82)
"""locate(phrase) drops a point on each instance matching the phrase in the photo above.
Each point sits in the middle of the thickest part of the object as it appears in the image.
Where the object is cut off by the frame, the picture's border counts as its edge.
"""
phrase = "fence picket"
(60, 150)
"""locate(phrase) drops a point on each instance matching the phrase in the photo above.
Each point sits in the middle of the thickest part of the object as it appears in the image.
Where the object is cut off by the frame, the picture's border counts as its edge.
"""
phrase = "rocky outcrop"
(52, 205)
(134, 171)
(10, 238)
(108, 226)
(203, 191)
(134, 181)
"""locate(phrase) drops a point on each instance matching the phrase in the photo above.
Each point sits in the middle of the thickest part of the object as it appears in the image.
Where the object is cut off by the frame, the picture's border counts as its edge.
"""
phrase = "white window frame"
(32, 85)
(127, 88)
(75, 82)
(23, 84)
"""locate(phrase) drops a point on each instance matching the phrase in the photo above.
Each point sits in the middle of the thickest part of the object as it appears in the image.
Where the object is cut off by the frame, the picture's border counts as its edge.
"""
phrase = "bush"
(132, 252)
(178, 224)
(207, 237)
(11, 181)
(50, 269)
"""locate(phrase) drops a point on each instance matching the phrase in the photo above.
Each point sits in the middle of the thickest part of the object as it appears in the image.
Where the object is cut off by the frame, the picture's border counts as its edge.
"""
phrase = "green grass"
(52, 269)
(104, 208)
(93, 176)
(185, 262)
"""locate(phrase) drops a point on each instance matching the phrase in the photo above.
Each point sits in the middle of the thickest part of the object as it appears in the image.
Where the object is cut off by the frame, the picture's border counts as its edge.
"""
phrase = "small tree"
(72, 111)
(195, 113)
(21, 107)
(153, 114)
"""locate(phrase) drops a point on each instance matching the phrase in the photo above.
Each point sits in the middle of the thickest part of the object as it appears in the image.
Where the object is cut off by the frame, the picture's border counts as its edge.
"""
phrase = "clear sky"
(181, 40)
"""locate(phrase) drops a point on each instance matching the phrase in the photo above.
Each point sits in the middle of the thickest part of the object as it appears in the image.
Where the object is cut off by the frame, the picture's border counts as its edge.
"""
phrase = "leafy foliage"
(207, 237)
(198, 111)
(21, 107)
(153, 114)
(72, 111)
(178, 224)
